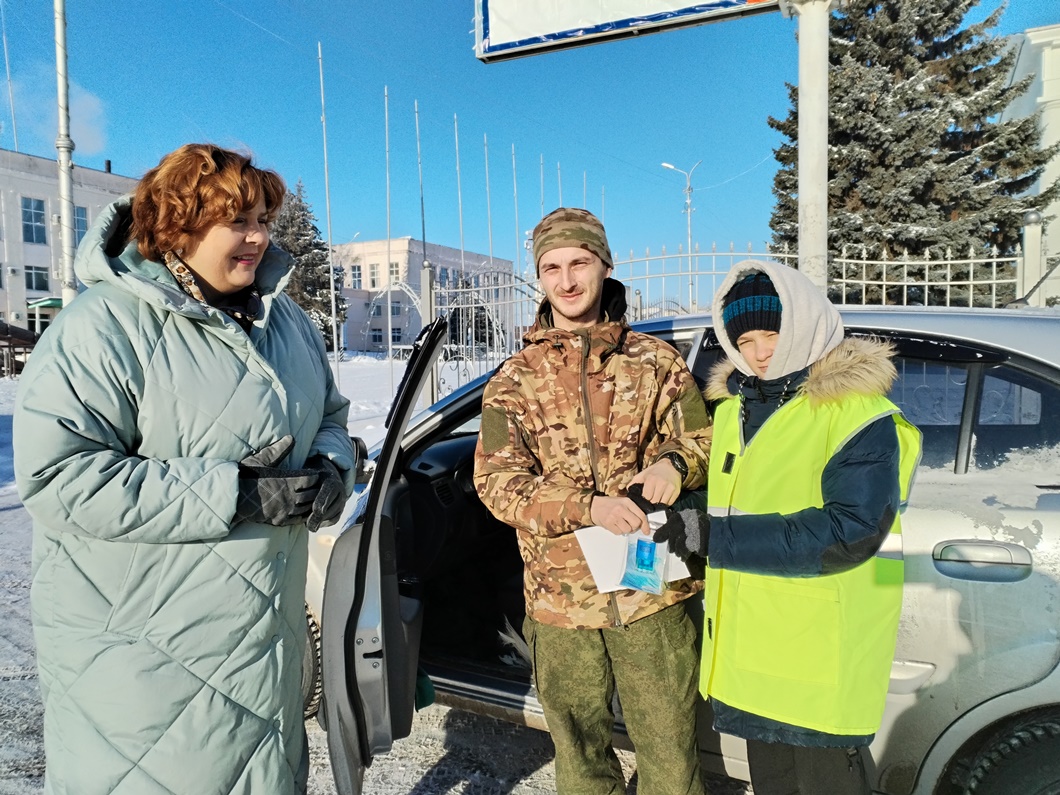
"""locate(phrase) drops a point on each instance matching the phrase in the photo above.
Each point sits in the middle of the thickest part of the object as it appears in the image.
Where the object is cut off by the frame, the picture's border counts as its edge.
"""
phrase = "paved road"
(451, 751)
(448, 751)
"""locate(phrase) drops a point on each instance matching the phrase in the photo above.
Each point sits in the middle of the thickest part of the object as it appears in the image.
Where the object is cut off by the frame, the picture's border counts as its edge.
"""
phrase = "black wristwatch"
(678, 463)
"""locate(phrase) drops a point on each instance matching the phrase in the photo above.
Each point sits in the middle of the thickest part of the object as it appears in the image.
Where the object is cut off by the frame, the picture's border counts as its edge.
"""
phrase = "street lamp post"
(688, 212)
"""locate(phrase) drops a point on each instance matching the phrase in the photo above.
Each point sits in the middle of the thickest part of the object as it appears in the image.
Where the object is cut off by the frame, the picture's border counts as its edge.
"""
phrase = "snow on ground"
(371, 382)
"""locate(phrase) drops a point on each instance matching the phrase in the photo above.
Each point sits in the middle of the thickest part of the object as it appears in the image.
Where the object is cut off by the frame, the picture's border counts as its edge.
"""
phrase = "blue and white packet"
(645, 564)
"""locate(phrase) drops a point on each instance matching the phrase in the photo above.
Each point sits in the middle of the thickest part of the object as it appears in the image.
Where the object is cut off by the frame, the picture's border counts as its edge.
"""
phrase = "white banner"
(508, 28)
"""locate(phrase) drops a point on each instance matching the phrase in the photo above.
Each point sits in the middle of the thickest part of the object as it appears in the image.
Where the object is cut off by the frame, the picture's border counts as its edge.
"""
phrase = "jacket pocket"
(133, 604)
(788, 629)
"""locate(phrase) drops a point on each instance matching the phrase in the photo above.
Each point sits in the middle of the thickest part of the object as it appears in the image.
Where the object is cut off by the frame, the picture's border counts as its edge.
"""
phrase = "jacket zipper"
(616, 616)
(587, 410)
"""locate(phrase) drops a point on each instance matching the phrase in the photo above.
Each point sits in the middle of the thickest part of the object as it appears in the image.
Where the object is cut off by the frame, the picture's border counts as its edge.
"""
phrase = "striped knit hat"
(751, 305)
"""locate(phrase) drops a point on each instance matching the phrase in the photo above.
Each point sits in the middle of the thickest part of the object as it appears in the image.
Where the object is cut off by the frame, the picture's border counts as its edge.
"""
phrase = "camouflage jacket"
(539, 461)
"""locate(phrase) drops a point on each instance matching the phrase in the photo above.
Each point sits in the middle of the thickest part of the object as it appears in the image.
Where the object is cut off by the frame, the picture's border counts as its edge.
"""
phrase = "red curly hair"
(194, 188)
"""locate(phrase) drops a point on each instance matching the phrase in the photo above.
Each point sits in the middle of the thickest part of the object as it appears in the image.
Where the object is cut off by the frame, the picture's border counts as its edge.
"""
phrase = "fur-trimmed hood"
(858, 366)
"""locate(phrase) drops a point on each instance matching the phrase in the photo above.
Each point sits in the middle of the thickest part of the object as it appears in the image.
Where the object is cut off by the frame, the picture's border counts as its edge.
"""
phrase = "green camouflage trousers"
(654, 663)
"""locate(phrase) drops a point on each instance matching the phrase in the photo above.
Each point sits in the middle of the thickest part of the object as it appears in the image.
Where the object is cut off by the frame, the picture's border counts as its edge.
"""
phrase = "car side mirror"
(360, 455)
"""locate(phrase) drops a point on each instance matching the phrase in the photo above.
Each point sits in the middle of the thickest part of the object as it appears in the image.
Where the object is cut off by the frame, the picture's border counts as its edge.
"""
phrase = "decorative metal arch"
(665, 307)
(381, 297)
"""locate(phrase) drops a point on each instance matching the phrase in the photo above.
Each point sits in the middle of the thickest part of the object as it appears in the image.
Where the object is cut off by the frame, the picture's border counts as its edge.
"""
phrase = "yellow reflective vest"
(812, 651)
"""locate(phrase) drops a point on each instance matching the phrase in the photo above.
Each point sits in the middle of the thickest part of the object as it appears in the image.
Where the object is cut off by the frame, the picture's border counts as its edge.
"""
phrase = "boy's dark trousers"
(779, 769)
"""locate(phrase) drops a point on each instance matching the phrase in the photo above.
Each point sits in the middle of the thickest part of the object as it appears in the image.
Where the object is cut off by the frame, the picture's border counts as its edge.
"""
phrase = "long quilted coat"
(169, 638)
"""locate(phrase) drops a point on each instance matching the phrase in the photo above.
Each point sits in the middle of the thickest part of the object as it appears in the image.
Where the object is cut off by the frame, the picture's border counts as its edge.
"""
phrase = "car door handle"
(987, 561)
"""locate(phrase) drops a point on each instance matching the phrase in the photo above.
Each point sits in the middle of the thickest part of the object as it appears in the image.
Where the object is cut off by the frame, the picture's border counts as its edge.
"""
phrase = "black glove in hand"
(271, 455)
(686, 533)
(275, 496)
(331, 499)
(636, 493)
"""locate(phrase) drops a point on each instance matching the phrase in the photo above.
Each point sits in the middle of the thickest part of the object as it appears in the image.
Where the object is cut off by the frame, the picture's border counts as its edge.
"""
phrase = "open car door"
(370, 629)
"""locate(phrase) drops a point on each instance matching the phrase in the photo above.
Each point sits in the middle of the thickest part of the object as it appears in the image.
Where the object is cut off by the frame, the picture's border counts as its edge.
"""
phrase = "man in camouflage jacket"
(587, 409)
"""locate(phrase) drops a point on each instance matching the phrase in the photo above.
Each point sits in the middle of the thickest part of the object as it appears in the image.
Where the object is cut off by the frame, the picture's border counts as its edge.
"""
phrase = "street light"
(688, 212)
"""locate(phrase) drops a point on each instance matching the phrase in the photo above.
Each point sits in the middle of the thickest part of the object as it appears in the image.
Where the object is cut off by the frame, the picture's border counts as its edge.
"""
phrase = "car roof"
(1034, 333)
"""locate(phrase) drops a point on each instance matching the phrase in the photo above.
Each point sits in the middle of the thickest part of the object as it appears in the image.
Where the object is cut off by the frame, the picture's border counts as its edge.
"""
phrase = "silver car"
(423, 579)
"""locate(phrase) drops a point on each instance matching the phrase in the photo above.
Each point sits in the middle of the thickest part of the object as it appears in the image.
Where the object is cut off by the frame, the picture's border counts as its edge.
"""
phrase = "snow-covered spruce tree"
(295, 231)
(918, 159)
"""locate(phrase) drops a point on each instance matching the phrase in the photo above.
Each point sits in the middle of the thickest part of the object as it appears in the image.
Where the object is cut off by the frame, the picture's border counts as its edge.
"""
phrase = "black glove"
(686, 533)
(636, 493)
(274, 496)
(331, 499)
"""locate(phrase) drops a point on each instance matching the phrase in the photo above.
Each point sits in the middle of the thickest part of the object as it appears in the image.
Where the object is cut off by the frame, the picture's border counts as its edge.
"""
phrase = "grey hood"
(105, 256)
(807, 334)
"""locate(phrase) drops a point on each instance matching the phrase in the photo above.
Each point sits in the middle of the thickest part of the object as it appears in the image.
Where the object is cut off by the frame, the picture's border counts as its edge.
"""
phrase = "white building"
(30, 243)
(1038, 53)
(370, 276)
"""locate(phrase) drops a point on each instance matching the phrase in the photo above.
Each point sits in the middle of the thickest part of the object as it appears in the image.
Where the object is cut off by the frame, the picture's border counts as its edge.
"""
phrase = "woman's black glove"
(273, 496)
(686, 533)
(331, 499)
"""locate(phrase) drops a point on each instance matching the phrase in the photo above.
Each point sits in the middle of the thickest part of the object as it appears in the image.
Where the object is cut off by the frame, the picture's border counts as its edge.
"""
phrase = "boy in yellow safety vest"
(809, 468)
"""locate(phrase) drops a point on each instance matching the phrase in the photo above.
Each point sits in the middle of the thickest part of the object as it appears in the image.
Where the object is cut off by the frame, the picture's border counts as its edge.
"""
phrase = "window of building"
(395, 335)
(36, 278)
(38, 321)
(355, 276)
(80, 224)
(377, 310)
(377, 336)
(33, 228)
(395, 309)
(395, 272)
(443, 277)
(373, 275)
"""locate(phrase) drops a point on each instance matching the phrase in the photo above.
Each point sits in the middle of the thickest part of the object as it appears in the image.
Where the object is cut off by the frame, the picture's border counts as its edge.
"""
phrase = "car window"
(1018, 419)
(930, 395)
(1018, 414)
(1017, 422)
(683, 346)
(469, 426)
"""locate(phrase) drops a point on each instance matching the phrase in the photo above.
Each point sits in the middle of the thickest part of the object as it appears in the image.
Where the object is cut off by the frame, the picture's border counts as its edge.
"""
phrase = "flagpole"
(489, 215)
(327, 211)
(389, 319)
(459, 200)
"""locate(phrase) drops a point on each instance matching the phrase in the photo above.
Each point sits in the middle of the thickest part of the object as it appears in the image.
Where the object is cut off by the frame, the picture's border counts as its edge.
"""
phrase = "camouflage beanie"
(570, 227)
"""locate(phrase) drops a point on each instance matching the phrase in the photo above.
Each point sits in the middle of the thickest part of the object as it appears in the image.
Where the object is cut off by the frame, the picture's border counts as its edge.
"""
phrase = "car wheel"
(311, 683)
(1026, 761)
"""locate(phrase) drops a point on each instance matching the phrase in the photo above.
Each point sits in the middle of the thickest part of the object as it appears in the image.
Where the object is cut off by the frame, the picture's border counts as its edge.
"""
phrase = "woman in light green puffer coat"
(177, 430)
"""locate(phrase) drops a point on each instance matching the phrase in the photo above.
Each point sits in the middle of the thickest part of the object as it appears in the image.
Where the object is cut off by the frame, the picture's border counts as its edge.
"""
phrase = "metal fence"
(488, 315)
(984, 281)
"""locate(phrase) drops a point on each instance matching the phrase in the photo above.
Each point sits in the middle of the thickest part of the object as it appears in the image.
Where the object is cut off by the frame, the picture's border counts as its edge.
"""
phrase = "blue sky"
(149, 76)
